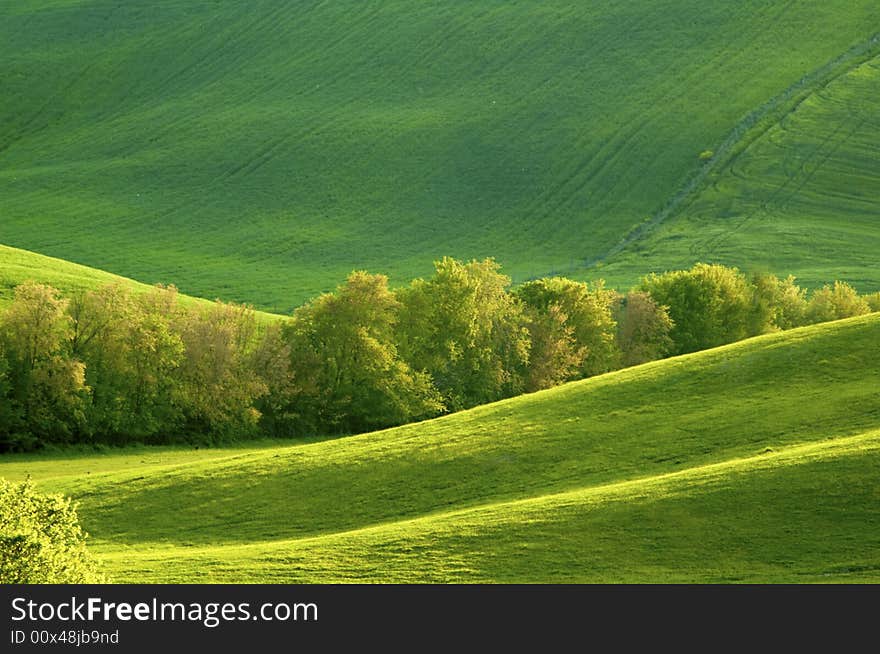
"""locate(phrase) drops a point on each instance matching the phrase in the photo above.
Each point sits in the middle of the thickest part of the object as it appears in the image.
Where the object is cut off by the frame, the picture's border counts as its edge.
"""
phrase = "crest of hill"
(18, 266)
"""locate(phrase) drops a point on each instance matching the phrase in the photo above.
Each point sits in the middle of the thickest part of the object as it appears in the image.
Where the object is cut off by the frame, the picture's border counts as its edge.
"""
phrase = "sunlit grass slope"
(803, 198)
(801, 515)
(756, 461)
(18, 266)
(260, 151)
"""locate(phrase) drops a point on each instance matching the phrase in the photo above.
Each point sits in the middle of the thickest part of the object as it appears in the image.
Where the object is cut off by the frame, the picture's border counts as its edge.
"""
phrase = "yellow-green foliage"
(41, 541)
(709, 305)
(114, 365)
(111, 365)
(588, 314)
(345, 362)
(464, 328)
(835, 302)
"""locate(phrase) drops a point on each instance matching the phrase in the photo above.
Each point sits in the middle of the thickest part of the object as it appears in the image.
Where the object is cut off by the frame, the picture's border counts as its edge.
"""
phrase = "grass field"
(260, 151)
(801, 199)
(18, 266)
(756, 461)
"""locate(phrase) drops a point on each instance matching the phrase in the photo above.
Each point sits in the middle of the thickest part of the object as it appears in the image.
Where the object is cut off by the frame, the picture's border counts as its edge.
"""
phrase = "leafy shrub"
(464, 328)
(873, 301)
(835, 303)
(345, 359)
(584, 314)
(112, 366)
(48, 386)
(643, 328)
(710, 305)
(41, 541)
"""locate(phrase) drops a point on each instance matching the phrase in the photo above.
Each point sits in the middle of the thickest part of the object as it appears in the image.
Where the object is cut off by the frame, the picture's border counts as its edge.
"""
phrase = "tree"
(35, 325)
(48, 385)
(776, 304)
(790, 304)
(102, 321)
(350, 375)
(643, 328)
(131, 354)
(835, 302)
(271, 361)
(466, 331)
(587, 313)
(41, 541)
(710, 305)
(219, 387)
(873, 301)
(555, 356)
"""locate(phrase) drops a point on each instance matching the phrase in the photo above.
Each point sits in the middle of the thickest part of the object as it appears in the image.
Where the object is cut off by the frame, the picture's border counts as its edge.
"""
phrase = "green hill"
(800, 196)
(757, 461)
(18, 266)
(260, 151)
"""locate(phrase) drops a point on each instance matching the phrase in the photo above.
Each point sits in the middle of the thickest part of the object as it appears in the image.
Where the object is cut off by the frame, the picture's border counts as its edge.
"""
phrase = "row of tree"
(112, 366)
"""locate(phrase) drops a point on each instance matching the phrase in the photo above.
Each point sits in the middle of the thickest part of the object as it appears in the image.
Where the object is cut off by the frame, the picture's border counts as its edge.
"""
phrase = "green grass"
(757, 461)
(18, 266)
(260, 151)
(804, 515)
(800, 199)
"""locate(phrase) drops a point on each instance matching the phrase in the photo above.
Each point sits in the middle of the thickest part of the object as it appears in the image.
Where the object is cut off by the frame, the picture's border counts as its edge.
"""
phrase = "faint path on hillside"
(752, 127)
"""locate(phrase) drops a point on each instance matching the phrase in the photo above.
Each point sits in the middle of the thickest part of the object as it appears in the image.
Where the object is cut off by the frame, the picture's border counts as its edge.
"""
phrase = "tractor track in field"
(601, 160)
(751, 128)
(790, 188)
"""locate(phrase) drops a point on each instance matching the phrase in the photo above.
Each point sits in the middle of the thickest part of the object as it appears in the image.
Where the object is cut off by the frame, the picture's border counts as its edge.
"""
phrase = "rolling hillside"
(18, 266)
(260, 151)
(803, 197)
(757, 461)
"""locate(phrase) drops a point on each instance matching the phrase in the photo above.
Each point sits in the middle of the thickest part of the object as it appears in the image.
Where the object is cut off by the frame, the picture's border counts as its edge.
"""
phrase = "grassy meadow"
(734, 464)
(18, 266)
(258, 152)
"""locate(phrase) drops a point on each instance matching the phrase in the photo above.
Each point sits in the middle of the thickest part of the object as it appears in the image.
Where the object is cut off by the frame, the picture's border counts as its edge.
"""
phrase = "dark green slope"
(259, 151)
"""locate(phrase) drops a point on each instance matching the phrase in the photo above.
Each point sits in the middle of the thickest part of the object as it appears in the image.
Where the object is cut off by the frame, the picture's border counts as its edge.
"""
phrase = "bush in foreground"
(41, 541)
